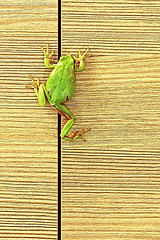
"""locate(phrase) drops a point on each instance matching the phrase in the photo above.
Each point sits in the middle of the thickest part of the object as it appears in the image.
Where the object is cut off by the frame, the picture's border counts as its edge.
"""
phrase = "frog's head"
(67, 60)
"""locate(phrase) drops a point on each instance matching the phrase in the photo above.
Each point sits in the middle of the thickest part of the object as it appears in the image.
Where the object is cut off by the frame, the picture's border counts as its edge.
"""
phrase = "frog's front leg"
(63, 110)
(47, 57)
(40, 90)
(80, 60)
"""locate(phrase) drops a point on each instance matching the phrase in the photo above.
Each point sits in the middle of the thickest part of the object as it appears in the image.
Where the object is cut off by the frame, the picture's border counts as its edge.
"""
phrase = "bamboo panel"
(110, 183)
(28, 133)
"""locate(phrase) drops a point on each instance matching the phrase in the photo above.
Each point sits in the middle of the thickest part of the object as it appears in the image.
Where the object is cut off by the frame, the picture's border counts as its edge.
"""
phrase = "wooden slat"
(28, 133)
(110, 183)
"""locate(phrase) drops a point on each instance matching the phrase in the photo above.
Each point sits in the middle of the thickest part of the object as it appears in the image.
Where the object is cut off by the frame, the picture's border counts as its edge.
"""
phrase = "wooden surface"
(110, 183)
(28, 133)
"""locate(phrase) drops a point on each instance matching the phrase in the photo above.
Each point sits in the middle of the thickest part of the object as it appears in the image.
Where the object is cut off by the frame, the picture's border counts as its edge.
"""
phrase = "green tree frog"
(60, 87)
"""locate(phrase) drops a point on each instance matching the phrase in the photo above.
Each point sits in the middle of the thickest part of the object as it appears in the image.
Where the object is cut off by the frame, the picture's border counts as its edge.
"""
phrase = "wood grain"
(110, 183)
(28, 133)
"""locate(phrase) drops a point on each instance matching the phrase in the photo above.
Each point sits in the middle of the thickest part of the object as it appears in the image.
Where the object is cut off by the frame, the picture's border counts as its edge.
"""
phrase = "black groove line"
(59, 131)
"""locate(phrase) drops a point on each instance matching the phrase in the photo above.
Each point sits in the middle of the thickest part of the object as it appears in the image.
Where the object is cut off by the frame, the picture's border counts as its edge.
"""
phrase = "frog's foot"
(81, 133)
(35, 84)
(81, 57)
(46, 53)
(77, 134)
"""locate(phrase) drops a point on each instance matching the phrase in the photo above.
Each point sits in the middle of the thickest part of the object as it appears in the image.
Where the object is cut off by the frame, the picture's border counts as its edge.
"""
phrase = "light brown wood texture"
(28, 133)
(110, 183)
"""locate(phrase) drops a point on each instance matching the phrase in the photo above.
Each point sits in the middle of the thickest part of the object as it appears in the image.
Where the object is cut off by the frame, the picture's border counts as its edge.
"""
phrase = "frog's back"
(61, 82)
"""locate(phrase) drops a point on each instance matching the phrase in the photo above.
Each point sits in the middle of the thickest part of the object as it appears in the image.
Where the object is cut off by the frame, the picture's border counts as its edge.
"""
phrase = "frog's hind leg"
(63, 110)
(40, 91)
